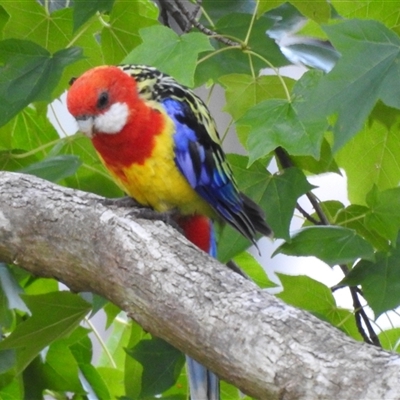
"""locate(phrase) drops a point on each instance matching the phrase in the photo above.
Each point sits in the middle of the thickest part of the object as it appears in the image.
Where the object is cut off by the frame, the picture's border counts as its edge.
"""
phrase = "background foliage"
(342, 115)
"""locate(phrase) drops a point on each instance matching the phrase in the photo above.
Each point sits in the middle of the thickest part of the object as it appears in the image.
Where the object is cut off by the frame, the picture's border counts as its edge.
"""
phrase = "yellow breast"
(158, 183)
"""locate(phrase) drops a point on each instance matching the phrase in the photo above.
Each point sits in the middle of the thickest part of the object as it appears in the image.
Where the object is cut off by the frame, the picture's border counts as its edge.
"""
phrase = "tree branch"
(247, 336)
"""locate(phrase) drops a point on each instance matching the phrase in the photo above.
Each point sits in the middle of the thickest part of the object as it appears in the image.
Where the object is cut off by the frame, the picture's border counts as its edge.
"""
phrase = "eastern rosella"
(160, 144)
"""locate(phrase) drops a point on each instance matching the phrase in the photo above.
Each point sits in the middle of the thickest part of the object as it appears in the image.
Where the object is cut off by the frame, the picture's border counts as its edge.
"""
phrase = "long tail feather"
(204, 384)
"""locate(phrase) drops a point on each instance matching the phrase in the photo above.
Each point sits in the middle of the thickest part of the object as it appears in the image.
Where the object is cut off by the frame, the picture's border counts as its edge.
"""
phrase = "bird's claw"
(125, 201)
(168, 217)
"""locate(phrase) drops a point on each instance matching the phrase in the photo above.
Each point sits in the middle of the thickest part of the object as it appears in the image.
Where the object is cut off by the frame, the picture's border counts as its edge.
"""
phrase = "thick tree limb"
(248, 337)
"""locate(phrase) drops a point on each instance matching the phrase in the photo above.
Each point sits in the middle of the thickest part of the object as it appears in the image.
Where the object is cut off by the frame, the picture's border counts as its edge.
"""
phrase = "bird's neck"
(135, 142)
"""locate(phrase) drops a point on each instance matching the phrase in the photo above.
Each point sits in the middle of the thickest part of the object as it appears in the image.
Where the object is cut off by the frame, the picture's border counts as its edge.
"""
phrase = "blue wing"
(199, 156)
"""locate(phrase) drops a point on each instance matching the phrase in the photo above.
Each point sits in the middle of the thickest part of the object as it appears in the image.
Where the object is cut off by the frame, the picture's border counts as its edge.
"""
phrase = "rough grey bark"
(248, 337)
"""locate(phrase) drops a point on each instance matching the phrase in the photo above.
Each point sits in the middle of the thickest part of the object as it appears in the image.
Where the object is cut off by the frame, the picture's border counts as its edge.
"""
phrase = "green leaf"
(111, 311)
(54, 315)
(11, 289)
(365, 73)
(389, 339)
(379, 280)
(121, 34)
(113, 379)
(326, 162)
(372, 157)
(218, 9)
(92, 176)
(254, 270)
(82, 352)
(319, 11)
(133, 369)
(95, 381)
(118, 339)
(345, 321)
(27, 131)
(13, 391)
(306, 293)
(29, 73)
(245, 91)
(385, 11)
(164, 49)
(54, 31)
(54, 168)
(272, 192)
(354, 217)
(233, 60)
(331, 244)
(330, 208)
(7, 315)
(230, 244)
(161, 363)
(384, 213)
(313, 296)
(276, 123)
(236, 25)
(60, 369)
(84, 10)
(264, 6)
(280, 199)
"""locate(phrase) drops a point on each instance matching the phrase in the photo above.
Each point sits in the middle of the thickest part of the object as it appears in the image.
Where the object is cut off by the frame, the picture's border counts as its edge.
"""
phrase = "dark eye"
(102, 101)
(72, 80)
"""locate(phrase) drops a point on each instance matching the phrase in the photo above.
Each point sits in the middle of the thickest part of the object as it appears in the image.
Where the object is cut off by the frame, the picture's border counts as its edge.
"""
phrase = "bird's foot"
(125, 201)
(168, 217)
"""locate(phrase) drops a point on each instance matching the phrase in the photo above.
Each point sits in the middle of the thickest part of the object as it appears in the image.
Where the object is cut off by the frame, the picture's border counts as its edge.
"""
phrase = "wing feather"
(198, 152)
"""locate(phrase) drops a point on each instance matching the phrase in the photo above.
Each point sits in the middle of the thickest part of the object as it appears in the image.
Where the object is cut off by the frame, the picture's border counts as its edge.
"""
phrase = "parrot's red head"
(107, 107)
(102, 99)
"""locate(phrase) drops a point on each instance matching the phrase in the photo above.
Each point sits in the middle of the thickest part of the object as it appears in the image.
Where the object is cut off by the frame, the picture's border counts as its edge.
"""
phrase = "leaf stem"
(37, 150)
(276, 70)
(207, 17)
(214, 53)
(102, 21)
(253, 17)
(97, 171)
(226, 130)
(101, 342)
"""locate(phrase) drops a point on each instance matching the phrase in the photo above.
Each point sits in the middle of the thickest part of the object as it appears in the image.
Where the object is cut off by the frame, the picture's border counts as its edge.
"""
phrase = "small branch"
(168, 6)
(164, 14)
(315, 203)
(306, 215)
(190, 17)
(359, 312)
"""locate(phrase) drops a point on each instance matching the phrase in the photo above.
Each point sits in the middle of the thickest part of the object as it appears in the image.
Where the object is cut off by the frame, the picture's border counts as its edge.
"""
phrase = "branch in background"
(306, 215)
(186, 19)
(359, 313)
(247, 336)
(169, 7)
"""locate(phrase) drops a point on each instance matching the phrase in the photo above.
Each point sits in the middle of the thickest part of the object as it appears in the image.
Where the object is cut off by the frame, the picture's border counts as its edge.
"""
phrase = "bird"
(161, 146)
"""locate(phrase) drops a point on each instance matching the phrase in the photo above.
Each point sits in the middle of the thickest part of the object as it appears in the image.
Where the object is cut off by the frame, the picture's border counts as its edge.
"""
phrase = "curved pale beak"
(85, 124)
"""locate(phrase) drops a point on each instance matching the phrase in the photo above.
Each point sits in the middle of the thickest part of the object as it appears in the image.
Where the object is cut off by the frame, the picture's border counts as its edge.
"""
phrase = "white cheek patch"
(113, 120)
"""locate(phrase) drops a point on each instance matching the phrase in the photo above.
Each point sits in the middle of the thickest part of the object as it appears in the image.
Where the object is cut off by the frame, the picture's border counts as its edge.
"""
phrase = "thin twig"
(286, 162)
(306, 215)
(315, 203)
(359, 312)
